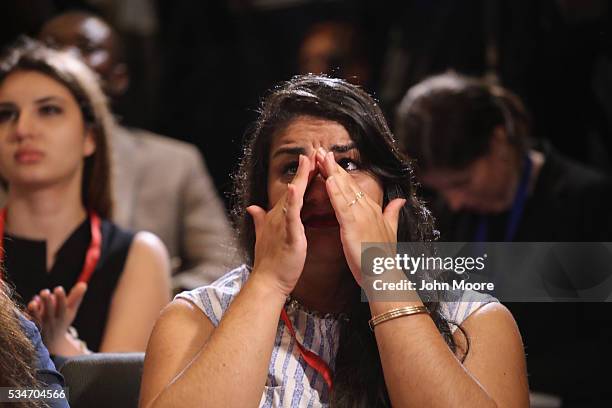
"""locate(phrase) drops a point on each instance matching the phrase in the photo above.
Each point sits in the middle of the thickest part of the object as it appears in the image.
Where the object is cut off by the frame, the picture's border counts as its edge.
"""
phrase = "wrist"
(69, 346)
(377, 308)
(268, 287)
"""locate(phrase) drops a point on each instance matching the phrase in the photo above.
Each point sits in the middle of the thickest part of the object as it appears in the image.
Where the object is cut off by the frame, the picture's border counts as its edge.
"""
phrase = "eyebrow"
(300, 150)
(49, 99)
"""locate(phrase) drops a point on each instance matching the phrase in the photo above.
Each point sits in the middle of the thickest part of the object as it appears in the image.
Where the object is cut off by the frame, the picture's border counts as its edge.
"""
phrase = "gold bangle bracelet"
(395, 313)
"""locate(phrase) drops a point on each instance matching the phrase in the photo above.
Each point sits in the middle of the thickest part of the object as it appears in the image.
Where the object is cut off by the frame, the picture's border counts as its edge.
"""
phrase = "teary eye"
(290, 168)
(348, 164)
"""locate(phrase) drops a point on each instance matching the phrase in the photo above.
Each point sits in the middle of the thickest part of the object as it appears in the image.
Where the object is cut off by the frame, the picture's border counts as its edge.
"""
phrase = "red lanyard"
(93, 252)
(309, 357)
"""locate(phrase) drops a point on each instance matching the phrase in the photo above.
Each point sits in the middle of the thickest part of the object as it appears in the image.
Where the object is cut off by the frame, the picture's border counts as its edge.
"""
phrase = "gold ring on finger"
(358, 196)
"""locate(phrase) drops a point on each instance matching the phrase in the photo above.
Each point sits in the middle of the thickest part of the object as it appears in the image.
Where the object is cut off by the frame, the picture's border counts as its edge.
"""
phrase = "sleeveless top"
(291, 382)
(25, 264)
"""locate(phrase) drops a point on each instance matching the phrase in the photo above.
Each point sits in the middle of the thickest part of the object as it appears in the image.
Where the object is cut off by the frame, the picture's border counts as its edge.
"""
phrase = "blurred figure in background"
(335, 48)
(161, 184)
(72, 266)
(471, 143)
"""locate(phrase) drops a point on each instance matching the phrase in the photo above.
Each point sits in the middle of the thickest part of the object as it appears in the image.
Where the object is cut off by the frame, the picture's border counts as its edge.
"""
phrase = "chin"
(30, 181)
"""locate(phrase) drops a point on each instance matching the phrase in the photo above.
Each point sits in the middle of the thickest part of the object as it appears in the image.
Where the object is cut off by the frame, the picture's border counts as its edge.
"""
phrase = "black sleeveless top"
(25, 267)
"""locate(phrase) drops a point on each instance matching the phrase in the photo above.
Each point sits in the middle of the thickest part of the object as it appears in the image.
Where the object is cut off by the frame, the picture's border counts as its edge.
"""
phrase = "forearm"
(419, 367)
(231, 368)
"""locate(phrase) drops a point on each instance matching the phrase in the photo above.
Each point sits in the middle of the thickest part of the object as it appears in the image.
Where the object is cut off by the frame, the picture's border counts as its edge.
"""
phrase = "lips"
(327, 220)
(28, 156)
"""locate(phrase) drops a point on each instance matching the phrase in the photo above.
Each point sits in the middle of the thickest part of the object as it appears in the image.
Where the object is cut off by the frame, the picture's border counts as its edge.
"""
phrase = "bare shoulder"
(148, 257)
(488, 324)
(184, 313)
(490, 329)
(179, 334)
(147, 245)
(491, 316)
(180, 331)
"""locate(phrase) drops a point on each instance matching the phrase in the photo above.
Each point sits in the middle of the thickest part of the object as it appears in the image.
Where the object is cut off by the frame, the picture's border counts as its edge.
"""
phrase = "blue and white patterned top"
(291, 382)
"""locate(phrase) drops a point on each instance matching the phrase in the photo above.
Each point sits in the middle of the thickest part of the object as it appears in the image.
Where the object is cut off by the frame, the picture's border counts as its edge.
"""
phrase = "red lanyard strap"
(309, 357)
(93, 251)
(95, 248)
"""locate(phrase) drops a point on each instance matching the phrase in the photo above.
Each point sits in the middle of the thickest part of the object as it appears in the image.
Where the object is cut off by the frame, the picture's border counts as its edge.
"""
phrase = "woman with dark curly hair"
(322, 174)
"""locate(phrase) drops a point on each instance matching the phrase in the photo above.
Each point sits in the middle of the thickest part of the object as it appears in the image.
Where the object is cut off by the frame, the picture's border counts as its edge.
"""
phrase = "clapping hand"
(54, 312)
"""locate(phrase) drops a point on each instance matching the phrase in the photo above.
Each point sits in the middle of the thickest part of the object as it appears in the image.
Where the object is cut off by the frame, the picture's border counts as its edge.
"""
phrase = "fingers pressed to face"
(305, 169)
(345, 183)
(320, 158)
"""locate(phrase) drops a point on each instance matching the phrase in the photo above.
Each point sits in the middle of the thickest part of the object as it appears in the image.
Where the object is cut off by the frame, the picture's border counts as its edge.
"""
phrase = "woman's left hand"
(361, 219)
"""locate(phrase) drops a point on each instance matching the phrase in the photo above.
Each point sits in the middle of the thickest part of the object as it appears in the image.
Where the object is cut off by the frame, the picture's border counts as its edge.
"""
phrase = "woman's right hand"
(54, 311)
(280, 246)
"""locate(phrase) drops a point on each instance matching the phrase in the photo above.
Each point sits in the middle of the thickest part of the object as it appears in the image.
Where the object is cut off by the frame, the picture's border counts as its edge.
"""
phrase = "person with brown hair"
(24, 360)
(56, 236)
(472, 145)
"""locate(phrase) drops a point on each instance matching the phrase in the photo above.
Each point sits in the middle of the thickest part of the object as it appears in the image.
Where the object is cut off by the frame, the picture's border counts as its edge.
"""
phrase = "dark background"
(199, 68)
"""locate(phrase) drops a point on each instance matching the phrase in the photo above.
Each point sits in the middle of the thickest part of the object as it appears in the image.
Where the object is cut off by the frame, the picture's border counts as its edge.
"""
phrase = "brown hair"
(82, 82)
(447, 120)
(17, 354)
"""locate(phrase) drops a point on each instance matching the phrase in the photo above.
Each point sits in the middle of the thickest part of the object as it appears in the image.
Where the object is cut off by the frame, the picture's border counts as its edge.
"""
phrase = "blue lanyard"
(518, 205)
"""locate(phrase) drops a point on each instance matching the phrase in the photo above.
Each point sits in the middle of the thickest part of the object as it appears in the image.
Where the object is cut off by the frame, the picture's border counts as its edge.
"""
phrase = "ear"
(89, 145)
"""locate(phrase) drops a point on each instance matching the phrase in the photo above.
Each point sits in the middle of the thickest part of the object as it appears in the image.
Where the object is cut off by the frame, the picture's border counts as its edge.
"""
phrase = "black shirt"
(568, 345)
(569, 203)
(26, 267)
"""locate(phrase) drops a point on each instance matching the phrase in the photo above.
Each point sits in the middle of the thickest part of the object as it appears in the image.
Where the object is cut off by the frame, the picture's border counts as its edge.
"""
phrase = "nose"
(23, 127)
(316, 193)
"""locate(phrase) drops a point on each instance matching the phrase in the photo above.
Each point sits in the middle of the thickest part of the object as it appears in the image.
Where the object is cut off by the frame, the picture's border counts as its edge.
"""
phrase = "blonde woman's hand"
(361, 219)
(54, 311)
(280, 245)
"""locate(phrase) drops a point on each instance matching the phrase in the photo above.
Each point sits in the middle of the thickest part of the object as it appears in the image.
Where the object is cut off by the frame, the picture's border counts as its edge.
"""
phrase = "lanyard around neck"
(309, 357)
(518, 205)
(93, 252)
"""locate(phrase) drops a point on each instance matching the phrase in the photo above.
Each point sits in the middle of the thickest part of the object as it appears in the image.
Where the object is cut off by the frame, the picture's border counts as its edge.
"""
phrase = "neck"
(48, 214)
(325, 286)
